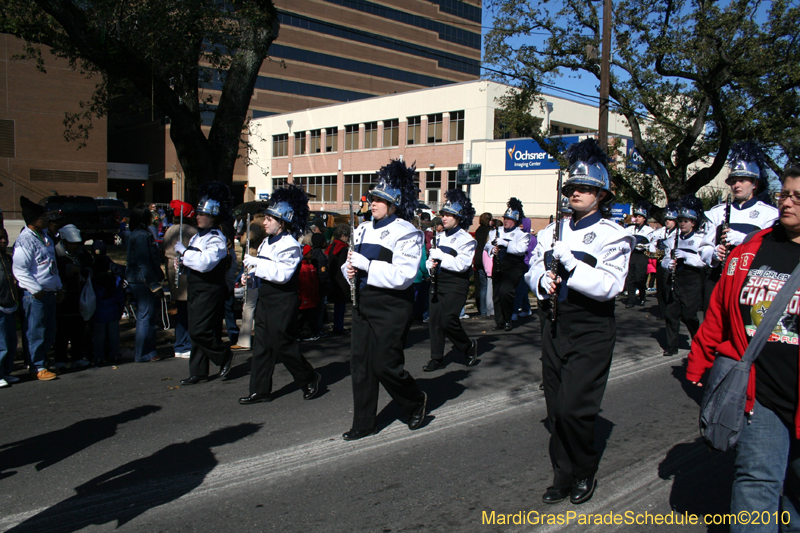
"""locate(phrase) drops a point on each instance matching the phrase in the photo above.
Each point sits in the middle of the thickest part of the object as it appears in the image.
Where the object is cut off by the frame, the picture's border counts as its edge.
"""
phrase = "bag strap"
(774, 313)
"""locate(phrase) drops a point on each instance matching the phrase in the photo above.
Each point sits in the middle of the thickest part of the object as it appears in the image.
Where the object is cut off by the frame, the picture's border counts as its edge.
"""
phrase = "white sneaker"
(464, 316)
(183, 355)
(11, 379)
(4, 384)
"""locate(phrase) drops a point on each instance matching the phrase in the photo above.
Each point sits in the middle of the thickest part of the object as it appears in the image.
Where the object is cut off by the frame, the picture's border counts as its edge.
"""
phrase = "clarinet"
(434, 273)
(726, 224)
(352, 246)
(674, 265)
(180, 240)
(247, 252)
(556, 238)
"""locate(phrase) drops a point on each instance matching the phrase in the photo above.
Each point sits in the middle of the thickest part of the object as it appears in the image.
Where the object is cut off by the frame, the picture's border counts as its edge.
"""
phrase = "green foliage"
(690, 77)
(165, 52)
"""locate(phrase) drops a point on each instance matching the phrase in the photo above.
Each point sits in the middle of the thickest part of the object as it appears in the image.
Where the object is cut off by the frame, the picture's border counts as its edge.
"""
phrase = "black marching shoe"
(498, 327)
(193, 380)
(355, 434)
(582, 490)
(434, 364)
(472, 354)
(256, 397)
(508, 326)
(311, 389)
(418, 414)
(226, 366)
(554, 495)
(641, 303)
(670, 353)
(629, 306)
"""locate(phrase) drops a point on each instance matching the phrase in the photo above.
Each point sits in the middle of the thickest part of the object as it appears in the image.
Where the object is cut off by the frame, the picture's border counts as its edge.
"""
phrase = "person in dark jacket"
(144, 276)
(339, 293)
(75, 268)
(320, 261)
(481, 280)
(9, 298)
(109, 291)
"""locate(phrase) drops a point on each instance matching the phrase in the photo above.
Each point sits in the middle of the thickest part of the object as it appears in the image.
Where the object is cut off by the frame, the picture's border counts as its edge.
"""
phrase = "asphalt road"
(128, 448)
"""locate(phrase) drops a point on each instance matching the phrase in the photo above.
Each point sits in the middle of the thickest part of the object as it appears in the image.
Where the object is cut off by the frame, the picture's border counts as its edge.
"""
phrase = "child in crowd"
(109, 290)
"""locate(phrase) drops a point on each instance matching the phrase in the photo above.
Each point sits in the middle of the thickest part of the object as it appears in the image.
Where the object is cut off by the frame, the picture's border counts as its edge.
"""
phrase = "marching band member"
(658, 245)
(206, 261)
(578, 338)
(684, 299)
(277, 268)
(508, 247)
(637, 270)
(383, 266)
(749, 212)
(450, 262)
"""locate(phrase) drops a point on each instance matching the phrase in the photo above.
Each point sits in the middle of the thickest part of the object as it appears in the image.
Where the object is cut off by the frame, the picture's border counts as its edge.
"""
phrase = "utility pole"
(605, 77)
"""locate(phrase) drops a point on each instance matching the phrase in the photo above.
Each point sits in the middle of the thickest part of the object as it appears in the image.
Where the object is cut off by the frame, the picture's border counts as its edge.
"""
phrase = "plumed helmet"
(514, 211)
(215, 200)
(746, 160)
(588, 166)
(671, 211)
(396, 186)
(459, 205)
(691, 207)
(641, 208)
(290, 204)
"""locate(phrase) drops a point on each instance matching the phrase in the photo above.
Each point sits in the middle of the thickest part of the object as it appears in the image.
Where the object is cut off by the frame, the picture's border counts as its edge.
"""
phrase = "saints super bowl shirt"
(777, 365)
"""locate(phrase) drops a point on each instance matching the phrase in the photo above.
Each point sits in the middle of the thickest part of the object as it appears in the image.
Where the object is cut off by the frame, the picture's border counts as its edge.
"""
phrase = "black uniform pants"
(575, 365)
(662, 282)
(379, 330)
(637, 278)
(683, 303)
(206, 306)
(712, 276)
(444, 314)
(275, 322)
(504, 288)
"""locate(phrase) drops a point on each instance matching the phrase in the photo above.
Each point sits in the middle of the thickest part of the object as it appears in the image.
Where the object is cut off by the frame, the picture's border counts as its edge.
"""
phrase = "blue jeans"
(183, 343)
(521, 301)
(39, 327)
(230, 319)
(106, 334)
(147, 310)
(764, 450)
(421, 298)
(8, 342)
(338, 317)
(481, 282)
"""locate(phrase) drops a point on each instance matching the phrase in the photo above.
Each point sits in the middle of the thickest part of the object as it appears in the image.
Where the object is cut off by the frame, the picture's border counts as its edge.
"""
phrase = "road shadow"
(50, 448)
(701, 480)
(692, 391)
(132, 489)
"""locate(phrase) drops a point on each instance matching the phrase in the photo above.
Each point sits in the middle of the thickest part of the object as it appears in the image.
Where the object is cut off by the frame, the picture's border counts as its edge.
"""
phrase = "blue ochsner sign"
(526, 154)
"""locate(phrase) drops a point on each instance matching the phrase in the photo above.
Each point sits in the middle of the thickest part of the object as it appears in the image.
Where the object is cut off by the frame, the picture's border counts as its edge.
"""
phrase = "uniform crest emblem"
(746, 260)
(690, 242)
(732, 266)
(753, 214)
(589, 237)
(385, 234)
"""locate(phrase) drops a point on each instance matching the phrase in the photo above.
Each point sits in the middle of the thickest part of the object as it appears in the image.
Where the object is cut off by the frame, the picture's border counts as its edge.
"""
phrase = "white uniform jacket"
(514, 241)
(35, 262)
(278, 258)
(658, 239)
(459, 247)
(205, 250)
(394, 249)
(643, 236)
(689, 244)
(752, 215)
(602, 249)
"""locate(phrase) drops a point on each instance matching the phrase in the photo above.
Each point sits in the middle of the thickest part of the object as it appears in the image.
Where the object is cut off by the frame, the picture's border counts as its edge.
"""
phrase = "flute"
(434, 273)
(247, 270)
(352, 246)
(556, 238)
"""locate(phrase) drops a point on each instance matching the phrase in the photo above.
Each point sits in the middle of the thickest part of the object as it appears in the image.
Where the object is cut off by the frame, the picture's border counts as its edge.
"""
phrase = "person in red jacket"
(767, 476)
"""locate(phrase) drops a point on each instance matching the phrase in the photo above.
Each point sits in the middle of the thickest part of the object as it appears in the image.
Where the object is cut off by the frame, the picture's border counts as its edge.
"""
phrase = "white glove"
(681, 254)
(563, 255)
(359, 262)
(734, 238)
(429, 264)
(546, 283)
(666, 263)
(249, 261)
(437, 254)
(180, 248)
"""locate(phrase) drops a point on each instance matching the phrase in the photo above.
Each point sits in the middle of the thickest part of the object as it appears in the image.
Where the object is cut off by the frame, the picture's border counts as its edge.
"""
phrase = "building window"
(456, 126)
(279, 183)
(331, 135)
(371, 135)
(323, 188)
(435, 128)
(280, 145)
(391, 133)
(414, 130)
(433, 184)
(452, 180)
(300, 143)
(316, 141)
(351, 137)
(359, 184)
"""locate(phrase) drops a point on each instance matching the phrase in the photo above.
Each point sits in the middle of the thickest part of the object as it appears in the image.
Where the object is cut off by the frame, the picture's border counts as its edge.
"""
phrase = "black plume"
(516, 205)
(587, 151)
(467, 211)
(747, 151)
(216, 190)
(694, 203)
(644, 205)
(298, 199)
(399, 176)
